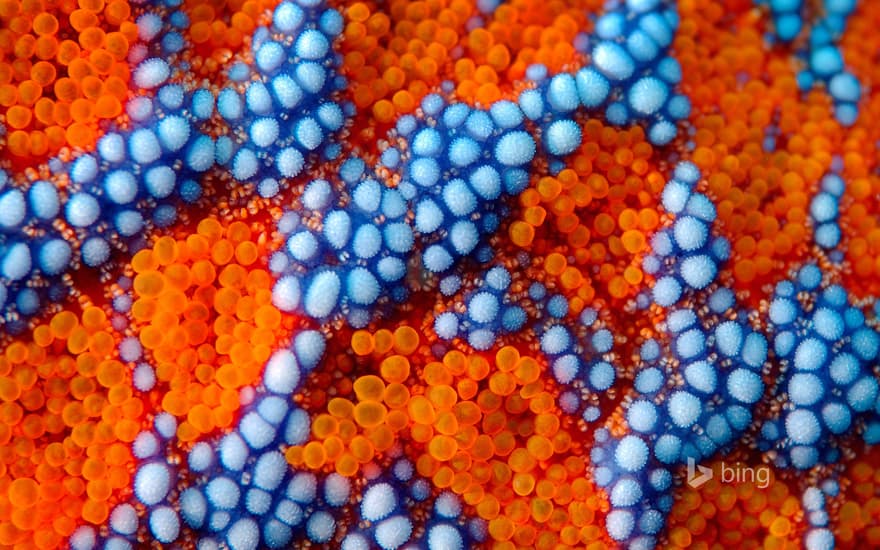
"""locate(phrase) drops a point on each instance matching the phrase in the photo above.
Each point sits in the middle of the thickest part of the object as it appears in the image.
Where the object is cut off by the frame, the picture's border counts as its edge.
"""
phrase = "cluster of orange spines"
(517, 35)
(486, 428)
(203, 313)
(353, 431)
(751, 513)
(67, 418)
(856, 517)
(593, 220)
(220, 28)
(62, 69)
(397, 55)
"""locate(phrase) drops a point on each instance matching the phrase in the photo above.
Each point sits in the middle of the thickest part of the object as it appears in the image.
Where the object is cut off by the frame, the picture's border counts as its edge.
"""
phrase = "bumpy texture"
(439, 274)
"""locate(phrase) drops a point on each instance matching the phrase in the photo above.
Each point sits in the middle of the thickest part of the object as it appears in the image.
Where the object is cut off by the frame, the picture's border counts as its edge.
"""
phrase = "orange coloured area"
(203, 313)
(63, 70)
(67, 418)
(220, 28)
(740, 89)
(860, 207)
(487, 428)
(856, 519)
(748, 513)
(593, 221)
(395, 55)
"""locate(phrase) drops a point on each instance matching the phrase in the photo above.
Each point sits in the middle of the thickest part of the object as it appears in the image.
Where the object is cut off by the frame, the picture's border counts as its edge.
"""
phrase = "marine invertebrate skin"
(440, 274)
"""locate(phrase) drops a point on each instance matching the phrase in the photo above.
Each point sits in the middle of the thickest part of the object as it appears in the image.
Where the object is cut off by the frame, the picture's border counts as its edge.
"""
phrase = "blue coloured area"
(629, 76)
(827, 351)
(455, 165)
(821, 56)
(825, 212)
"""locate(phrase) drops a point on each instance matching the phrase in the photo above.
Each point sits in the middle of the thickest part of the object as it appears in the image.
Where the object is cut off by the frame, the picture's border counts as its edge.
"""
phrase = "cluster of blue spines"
(692, 394)
(825, 61)
(455, 165)
(787, 17)
(279, 111)
(353, 256)
(490, 310)
(579, 353)
(672, 421)
(818, 536)
(639, 490)
(136, 177)
(160, 37)
(825, 212)
(629, 74)
(827, 385)
(241, 491)
(387, 509)
(279, 118)
(685, 257)
(822, 55)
